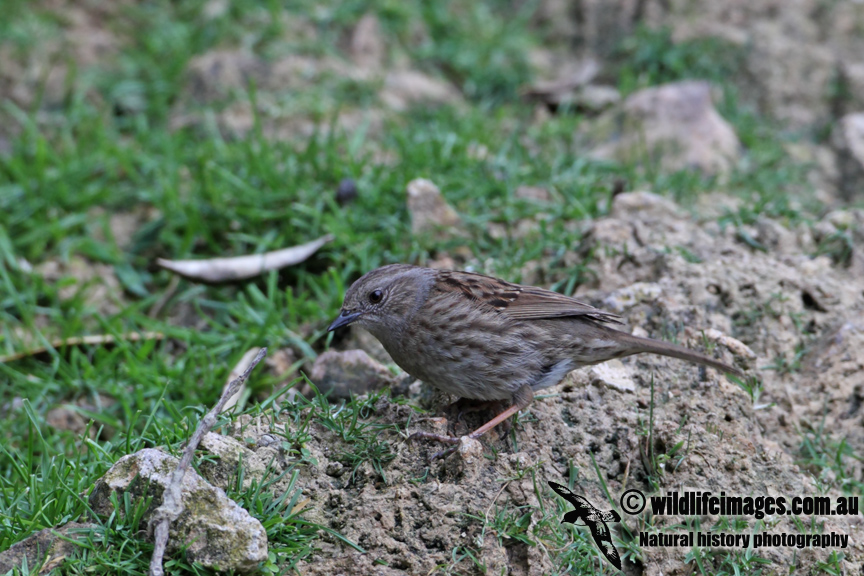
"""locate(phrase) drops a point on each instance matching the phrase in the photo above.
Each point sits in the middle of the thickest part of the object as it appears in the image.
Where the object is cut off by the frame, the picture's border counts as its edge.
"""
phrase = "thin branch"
(172, 506)
(231, 404)
(92, 340)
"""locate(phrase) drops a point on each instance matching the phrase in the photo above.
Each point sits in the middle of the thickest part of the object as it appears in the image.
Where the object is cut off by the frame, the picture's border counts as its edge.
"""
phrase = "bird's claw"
(435, 437)
(438, 438)
(443, 453)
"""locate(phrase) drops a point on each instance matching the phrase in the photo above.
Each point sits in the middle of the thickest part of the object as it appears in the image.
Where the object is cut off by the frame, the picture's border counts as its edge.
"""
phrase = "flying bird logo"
(594, 519)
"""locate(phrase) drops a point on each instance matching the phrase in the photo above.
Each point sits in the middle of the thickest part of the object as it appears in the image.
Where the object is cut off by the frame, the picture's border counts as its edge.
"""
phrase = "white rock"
(212, 528)
(620, 300)
(614, 375)
(430, 212)
(678, 123)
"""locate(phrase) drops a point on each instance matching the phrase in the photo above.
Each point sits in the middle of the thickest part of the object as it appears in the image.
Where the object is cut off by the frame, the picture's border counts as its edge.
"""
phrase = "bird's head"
(380, 298)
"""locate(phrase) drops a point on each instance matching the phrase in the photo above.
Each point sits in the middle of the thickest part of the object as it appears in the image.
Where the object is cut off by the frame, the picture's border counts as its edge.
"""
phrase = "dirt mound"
(702, 285)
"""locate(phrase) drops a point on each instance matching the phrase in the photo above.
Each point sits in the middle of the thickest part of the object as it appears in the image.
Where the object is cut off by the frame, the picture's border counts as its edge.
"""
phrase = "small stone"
(468, 459)
(519, 460)
(632, 205)
(404, 88)
(640, 332)
(596, 98)
(620, 300)
(335, 469)
(367, 43)
(613, 374)
(840, 219)
(477, 152)
(734, 345)
(430, 212)
(267, 440)
(65, 418)
(339, 374)
(435, 425)
(47, 548)
(230, 455)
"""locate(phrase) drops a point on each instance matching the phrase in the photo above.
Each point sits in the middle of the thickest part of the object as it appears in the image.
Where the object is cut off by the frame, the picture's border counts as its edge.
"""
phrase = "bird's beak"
(345, 318)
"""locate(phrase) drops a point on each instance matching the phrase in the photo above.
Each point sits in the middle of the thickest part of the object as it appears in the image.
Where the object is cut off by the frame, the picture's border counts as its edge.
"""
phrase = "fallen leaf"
(242, 267)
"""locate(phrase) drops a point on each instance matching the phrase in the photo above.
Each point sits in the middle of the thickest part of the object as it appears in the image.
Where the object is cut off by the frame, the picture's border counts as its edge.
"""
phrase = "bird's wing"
(604, 542)
(517, 301)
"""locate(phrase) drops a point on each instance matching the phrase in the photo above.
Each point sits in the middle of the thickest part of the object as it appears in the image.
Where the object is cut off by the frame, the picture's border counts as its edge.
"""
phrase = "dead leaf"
(300, 506)
(241, 267)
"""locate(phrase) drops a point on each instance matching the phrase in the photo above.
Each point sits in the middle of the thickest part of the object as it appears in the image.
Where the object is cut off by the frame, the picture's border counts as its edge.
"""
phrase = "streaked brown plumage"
(479, 337)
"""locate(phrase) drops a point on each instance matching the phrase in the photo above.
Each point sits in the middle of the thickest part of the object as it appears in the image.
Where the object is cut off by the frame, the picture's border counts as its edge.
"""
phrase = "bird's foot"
(434, 437)
(521, 398)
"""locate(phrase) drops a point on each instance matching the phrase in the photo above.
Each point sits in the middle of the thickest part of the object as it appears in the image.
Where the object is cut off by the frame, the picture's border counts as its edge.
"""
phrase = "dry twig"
(172, 506)
(235, 374)
(82, 341)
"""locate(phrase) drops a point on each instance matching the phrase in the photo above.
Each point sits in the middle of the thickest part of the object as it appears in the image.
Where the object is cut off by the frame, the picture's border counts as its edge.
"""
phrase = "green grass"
(199, 192)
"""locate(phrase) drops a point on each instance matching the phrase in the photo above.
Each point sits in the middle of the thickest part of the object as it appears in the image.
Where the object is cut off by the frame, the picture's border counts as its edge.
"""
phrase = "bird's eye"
(375, 296)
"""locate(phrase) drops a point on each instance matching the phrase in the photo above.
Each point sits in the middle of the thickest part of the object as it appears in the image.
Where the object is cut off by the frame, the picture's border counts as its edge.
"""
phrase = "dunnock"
(479, 337)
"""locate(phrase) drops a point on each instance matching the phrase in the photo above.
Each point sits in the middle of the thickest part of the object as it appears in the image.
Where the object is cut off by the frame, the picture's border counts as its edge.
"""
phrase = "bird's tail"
(637, 345)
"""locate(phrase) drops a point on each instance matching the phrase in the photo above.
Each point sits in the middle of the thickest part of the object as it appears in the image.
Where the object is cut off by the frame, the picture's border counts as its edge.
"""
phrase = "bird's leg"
(521, 399)
(465, 406)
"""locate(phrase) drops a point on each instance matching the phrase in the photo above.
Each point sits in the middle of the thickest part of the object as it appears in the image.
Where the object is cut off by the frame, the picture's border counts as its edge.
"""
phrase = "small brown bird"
(479, 337)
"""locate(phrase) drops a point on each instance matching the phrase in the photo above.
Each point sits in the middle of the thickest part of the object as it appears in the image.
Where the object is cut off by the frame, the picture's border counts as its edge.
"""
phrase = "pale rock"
(613, 374)
(674, 124)
(218, 73)
(632, 205)
(624, 298)
(230, 454)
(367, 43)
(212, 529)
(734, 345)
(47, 548)
(341, 374)
(403, 88)
(470, 450)
(430, 212)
